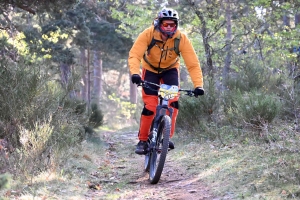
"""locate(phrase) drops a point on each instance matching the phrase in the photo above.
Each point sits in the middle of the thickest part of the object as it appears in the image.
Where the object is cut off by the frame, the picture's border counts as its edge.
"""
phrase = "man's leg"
(150, 102)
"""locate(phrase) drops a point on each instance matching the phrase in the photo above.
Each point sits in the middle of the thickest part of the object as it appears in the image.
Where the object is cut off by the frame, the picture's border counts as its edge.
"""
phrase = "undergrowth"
(36, 126)
(246, 167)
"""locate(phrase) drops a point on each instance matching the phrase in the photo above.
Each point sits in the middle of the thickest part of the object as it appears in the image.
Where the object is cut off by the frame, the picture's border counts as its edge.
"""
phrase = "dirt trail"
(105, 167)
(175, 182)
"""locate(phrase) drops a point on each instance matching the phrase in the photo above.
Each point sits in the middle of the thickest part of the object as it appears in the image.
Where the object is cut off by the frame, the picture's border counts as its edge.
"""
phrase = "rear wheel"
(159, 154)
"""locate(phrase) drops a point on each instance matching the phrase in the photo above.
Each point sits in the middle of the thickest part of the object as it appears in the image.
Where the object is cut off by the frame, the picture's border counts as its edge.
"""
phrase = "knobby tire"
(147, 160)
(157, 164)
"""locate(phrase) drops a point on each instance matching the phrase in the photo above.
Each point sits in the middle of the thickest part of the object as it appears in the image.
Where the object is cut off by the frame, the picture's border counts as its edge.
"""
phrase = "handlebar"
(146, 84)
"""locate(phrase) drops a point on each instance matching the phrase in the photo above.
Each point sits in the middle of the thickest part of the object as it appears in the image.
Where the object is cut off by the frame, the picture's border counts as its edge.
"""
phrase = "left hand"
(198, 91)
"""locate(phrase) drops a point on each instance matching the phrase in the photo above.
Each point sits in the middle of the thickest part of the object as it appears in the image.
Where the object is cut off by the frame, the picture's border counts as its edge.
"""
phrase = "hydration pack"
(176, 44)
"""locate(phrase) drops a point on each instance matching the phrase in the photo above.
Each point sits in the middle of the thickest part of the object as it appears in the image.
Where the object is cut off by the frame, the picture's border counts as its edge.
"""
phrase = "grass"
(247, 170)
(105, 165)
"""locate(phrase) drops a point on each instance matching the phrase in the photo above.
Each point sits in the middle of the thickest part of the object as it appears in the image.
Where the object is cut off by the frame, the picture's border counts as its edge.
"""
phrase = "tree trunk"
(133, 92)
(64, 75)
(205, 38)
(97, 63)
(228, 44)
(297, 19)
(84, 88)
(88, 82)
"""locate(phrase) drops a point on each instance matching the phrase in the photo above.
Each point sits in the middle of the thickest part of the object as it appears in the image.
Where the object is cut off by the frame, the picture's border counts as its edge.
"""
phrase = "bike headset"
(165, 14)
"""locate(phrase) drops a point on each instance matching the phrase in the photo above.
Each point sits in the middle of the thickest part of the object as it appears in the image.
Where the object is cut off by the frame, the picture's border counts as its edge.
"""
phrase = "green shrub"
(4, 181)
(35, 118)
(290, 97)
(197, 115)
(254, 75)
(253, 108)
(96, 117)
(248, 76)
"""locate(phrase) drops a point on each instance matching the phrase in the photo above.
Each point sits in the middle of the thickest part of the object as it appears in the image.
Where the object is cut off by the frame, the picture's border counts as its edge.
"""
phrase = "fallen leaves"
(95, 186)
(88, 158)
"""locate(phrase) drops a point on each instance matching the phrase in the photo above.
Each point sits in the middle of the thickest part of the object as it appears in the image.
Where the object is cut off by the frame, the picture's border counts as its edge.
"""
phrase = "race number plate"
(168, 91)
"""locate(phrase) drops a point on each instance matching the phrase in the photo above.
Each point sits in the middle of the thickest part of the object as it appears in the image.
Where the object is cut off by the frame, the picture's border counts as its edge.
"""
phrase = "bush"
(96, 118)
(34, 119)
(254, 75)
(290, 97)
(4, 181)
(253, 108)
(196, 115)
(250, 75)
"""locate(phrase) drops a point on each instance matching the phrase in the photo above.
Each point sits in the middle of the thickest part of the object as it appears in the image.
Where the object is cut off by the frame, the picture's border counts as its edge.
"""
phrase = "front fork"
(161, 111)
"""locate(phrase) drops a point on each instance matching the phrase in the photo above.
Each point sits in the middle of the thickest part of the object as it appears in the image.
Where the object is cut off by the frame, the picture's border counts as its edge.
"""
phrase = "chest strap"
(159, 70)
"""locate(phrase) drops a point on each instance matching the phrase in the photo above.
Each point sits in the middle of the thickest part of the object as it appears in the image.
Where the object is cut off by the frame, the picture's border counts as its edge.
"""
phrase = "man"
(155, 48)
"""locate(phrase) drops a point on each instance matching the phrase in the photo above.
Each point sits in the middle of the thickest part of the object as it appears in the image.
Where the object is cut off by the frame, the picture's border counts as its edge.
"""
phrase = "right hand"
(136, 79)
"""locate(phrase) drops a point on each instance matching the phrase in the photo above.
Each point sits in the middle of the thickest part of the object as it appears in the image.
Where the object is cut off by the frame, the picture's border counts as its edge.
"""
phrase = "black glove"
(136, 79)
(198, 91)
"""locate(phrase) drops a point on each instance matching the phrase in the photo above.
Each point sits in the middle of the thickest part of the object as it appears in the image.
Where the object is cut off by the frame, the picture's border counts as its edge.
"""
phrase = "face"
(168, 25)
(167, 28)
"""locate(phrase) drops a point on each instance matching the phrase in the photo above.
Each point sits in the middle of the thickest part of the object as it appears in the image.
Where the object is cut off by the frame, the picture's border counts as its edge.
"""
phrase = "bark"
(297, 19)
(228, 43)
(83, 60)
(133, 92)
(65, 75)
(65, 72)
(88, 83)
(97, 79)
(285, 18)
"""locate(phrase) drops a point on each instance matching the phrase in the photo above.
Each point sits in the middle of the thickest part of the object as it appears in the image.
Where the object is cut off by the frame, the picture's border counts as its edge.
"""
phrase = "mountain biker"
(160, 64)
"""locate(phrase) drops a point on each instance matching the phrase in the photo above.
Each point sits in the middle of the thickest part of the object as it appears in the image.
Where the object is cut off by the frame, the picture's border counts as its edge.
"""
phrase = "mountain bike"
(158, 139)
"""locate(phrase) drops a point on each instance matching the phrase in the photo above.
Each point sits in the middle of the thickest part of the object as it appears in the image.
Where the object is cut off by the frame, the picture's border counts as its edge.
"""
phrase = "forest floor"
(106, 167)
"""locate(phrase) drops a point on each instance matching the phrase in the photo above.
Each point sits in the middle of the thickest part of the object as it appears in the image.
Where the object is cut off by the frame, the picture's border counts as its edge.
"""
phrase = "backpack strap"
(176, 44)
(176, 49)
(152, 43)
(159, 70)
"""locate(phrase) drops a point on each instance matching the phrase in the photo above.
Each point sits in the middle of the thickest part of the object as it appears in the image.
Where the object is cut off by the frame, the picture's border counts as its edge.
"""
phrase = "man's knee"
(147, 112)
(175, 104)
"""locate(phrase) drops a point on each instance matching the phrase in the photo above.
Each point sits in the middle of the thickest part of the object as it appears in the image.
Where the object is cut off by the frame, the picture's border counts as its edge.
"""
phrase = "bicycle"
(158, 139)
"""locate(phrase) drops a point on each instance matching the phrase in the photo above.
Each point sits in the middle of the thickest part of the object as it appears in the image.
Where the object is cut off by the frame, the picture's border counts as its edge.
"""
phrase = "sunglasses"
(164, 24)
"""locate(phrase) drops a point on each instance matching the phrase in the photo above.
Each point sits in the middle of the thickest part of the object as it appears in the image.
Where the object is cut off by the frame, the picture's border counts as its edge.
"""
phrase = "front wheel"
(147, 159)
(158, 155)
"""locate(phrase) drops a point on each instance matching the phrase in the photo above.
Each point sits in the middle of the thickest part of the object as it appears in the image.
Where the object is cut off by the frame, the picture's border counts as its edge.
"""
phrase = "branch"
(217, 28)
(4, 28)
(26, 8)
(23, 5)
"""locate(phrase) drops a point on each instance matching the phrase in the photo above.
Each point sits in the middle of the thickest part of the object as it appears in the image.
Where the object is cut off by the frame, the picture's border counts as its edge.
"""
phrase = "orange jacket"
(162, 55)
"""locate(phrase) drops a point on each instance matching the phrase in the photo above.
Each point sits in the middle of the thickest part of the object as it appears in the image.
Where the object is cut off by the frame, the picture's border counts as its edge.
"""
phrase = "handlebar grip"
(141, 83)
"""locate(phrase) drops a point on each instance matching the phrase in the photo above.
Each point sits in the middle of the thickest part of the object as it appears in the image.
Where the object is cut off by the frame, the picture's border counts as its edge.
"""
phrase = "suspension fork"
(161, 110)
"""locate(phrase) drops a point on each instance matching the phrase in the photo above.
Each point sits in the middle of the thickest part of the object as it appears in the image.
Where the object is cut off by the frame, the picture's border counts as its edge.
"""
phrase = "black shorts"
(169, 77)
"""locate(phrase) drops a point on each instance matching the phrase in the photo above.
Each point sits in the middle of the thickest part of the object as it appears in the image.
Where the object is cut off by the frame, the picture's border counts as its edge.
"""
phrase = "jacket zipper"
(161, 55)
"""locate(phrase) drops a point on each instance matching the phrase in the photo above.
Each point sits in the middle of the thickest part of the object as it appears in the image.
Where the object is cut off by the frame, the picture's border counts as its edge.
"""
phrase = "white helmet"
(167, 14)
